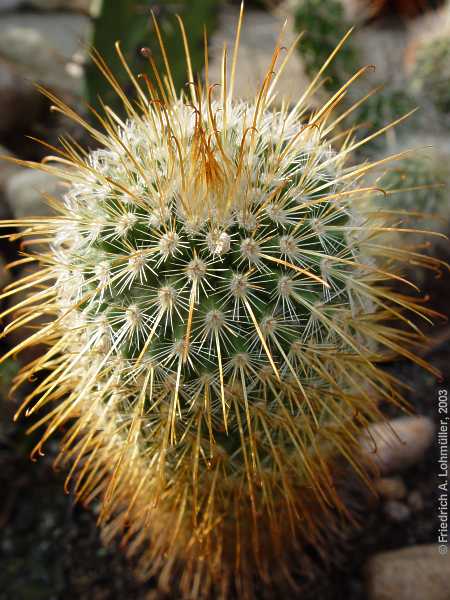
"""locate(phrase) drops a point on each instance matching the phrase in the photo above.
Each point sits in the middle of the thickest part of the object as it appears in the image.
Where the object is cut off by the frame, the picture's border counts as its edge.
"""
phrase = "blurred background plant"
(430, 77)
(416, 188)
(420, 182)
(324, 22)
(130, 22)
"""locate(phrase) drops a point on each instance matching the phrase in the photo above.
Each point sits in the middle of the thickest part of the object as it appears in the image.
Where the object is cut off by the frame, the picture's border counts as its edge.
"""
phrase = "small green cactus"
(430, 77)
(377, 111)
(324, 22)
(217, 308)
(130, 21)
(420, 185)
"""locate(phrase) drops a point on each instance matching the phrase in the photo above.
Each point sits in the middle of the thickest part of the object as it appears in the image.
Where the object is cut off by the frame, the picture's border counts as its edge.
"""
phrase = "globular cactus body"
(417, 189)
(215, 299)
(422, 182)
(379, 109)
(430, 74)
(324, 22)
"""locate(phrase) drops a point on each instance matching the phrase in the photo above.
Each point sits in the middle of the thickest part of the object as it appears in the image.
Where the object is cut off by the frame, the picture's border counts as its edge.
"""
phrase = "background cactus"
(130, 22)
(420, 184)
(216, 307)
(324, 22)
(379, 109)
(430, 76)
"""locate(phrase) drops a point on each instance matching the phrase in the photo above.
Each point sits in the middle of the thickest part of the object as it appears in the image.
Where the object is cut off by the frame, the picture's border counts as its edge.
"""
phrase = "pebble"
(391, 488)
(397, 511)
(415, 501)
(414, 573)
(24, 193)
(398, 444)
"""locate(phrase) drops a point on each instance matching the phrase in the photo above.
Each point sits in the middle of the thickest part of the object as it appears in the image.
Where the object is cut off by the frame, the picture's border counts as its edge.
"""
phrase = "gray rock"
(25, 193)
(416, 573)
(9, 4)
(398, 444)
(384, 48)
(46, 48)
(259, 35)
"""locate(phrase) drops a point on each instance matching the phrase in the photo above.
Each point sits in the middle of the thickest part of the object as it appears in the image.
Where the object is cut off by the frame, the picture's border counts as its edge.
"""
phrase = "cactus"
(430, 76)
(217, 308)
(420, 186)
(379, 109)
(324, 22)
(108, 26)
(126, 20)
